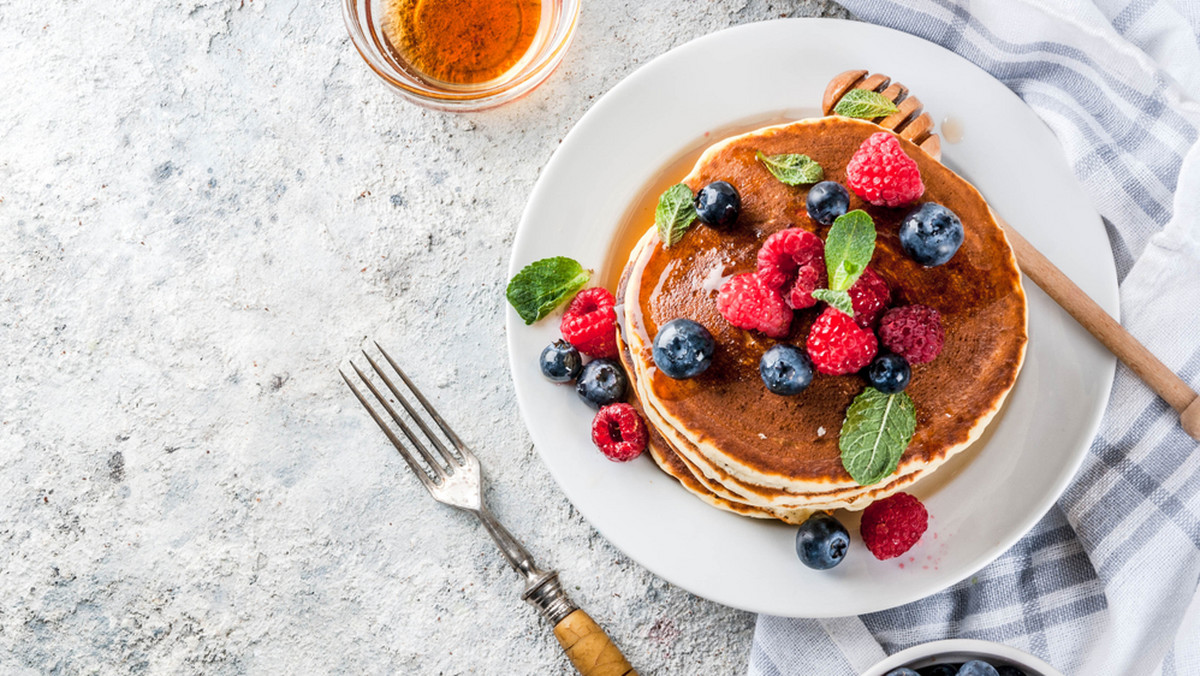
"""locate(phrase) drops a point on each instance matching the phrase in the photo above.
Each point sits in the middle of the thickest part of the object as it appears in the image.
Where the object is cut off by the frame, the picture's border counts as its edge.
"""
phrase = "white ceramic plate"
(994, 492)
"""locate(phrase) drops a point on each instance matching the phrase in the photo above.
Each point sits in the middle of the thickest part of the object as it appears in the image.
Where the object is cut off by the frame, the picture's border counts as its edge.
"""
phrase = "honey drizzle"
(640, 215)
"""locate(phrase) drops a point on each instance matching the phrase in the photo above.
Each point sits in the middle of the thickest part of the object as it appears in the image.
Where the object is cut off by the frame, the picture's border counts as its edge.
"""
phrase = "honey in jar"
(461, 42)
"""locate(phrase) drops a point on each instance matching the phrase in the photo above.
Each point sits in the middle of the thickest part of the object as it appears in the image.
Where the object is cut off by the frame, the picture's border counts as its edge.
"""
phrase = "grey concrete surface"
(205, 206)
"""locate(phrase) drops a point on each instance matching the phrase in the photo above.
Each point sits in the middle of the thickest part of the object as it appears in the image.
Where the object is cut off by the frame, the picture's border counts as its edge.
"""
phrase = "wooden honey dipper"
(912, 123)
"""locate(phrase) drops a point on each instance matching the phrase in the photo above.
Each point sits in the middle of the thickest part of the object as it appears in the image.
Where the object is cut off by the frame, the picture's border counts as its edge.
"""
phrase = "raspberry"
(880, 172)
(590, 323)
(619, 432)
(913, 332)
(793, 261)
(869, 296)
(747, 303)
(838, 346)
(893, 525)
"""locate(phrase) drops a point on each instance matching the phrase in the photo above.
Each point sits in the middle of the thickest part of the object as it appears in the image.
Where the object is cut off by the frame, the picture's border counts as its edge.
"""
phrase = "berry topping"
(786, 370)
(822, 542)
(590, 323)
(913, 332)
(893, 525)
(683, 348)
(931, 234)
(561, 362)
(869, 297)
(902, 671)
(1006, 670)
(977, 668)
(747, 303)
(602, 382)
(826, 201)
(880, 172)
(888, 373)
(619, 432)
(940, 670)
(837, 345)
(793, 261)
(718, 204)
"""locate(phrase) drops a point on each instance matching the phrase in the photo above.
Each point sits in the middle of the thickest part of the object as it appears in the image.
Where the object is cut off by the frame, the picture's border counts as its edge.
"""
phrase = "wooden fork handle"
(589, 648)
(1111, 334)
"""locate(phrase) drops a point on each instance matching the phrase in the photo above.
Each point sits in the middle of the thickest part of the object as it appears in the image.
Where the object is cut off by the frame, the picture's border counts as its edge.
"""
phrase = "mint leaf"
(674, 214)
(877, 430)
(792, 169)
(543, 285)
(864, 104)
(848, 248)
(836, 299)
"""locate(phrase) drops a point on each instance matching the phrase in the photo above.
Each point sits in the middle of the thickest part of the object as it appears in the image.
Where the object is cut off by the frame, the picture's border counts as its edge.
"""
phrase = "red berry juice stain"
(663, 631)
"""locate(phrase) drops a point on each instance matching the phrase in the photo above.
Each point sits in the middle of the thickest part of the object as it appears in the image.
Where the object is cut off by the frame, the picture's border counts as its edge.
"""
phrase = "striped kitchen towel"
(1106, 584)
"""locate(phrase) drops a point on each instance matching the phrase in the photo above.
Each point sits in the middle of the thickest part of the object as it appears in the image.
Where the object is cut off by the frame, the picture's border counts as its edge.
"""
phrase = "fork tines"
(434, 459)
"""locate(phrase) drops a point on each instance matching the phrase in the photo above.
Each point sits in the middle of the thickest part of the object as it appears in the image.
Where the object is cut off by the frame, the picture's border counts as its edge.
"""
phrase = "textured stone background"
(204, 208)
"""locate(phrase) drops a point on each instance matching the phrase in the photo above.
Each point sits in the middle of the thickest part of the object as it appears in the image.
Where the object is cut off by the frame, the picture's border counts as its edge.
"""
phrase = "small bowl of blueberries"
(962, 657)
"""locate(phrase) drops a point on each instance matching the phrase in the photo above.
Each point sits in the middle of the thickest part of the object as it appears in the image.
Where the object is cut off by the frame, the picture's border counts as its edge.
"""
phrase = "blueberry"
(718, 204)
(786, 369)
(822, 541)
(602, 382)
(939, 670)
(683, 349)
(977, 668)
(931, 234)
(561, 362)
(902, 671)
(826, 201)
(1006, 670)
(888, 373)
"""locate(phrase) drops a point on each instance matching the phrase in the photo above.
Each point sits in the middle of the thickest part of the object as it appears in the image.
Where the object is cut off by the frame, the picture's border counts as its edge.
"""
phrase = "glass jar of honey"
(462, 54)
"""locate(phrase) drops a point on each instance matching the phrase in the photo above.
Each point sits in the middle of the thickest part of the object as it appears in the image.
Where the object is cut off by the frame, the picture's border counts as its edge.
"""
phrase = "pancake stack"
(739, 447)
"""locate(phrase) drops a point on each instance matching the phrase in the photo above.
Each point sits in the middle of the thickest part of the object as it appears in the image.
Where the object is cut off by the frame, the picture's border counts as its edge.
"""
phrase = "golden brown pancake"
(720, 489)
(693, 479)
(742, 444)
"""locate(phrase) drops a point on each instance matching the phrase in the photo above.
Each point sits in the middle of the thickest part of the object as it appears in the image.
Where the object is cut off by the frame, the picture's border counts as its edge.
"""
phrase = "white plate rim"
(1103, 291)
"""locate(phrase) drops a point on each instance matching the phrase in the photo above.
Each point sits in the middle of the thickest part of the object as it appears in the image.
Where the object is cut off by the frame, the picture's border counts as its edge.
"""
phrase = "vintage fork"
(454, 478)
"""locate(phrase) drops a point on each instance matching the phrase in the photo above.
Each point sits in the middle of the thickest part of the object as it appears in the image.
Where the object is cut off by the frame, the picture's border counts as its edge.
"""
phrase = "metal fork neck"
(542, 589)
(518, 557)
(548, 597)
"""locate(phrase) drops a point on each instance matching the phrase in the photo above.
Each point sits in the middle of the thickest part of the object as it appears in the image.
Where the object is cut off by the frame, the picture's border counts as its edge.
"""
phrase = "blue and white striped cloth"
(1107, 583)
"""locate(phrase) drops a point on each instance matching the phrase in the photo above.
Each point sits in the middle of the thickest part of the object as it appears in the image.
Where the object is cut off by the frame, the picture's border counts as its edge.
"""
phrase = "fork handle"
(589, 647)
